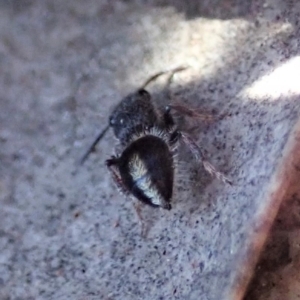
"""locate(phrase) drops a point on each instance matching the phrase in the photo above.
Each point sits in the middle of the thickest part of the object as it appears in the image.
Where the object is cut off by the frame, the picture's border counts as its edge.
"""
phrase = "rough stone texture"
(277, 273)
(65, 232)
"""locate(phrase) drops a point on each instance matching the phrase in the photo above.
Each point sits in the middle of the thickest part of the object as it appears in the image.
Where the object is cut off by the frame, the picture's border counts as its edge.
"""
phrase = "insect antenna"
(94, 144)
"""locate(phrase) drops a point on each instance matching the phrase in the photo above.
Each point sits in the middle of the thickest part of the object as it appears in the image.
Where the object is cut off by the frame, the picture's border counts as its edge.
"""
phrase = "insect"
(144, 165)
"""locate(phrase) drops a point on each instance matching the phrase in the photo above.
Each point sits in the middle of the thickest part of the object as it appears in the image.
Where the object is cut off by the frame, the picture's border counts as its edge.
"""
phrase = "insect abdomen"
(146, 168)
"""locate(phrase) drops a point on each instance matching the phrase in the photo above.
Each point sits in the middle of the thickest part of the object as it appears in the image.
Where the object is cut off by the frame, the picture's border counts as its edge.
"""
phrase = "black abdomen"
(146, 168)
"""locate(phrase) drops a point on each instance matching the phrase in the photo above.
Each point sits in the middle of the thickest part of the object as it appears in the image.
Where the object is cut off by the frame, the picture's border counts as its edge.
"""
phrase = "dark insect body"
(144, 166)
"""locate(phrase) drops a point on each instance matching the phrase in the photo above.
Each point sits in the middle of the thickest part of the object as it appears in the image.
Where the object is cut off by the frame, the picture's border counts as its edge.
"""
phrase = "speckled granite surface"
(67, 233)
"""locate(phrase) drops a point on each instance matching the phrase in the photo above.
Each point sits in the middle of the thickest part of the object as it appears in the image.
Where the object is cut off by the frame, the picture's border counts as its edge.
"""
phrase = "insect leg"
(197, 152)
(154, 77)
(94, 144)
(112, 166)
(191, 112)
(138, 210)
(168, 119)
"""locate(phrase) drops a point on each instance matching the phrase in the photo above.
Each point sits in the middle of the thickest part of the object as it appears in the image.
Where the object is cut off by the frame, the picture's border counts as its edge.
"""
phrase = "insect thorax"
(135, 113)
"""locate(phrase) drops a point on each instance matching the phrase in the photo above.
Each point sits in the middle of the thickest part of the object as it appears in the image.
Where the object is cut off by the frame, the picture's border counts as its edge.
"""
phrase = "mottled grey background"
(66, 233)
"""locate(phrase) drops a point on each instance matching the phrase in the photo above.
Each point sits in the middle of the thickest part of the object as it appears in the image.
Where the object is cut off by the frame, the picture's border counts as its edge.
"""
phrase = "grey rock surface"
(66, 232)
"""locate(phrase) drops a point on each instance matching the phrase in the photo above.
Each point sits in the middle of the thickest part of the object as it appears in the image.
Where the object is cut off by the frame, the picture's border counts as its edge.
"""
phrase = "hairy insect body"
(135, 113)
(145, 166)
